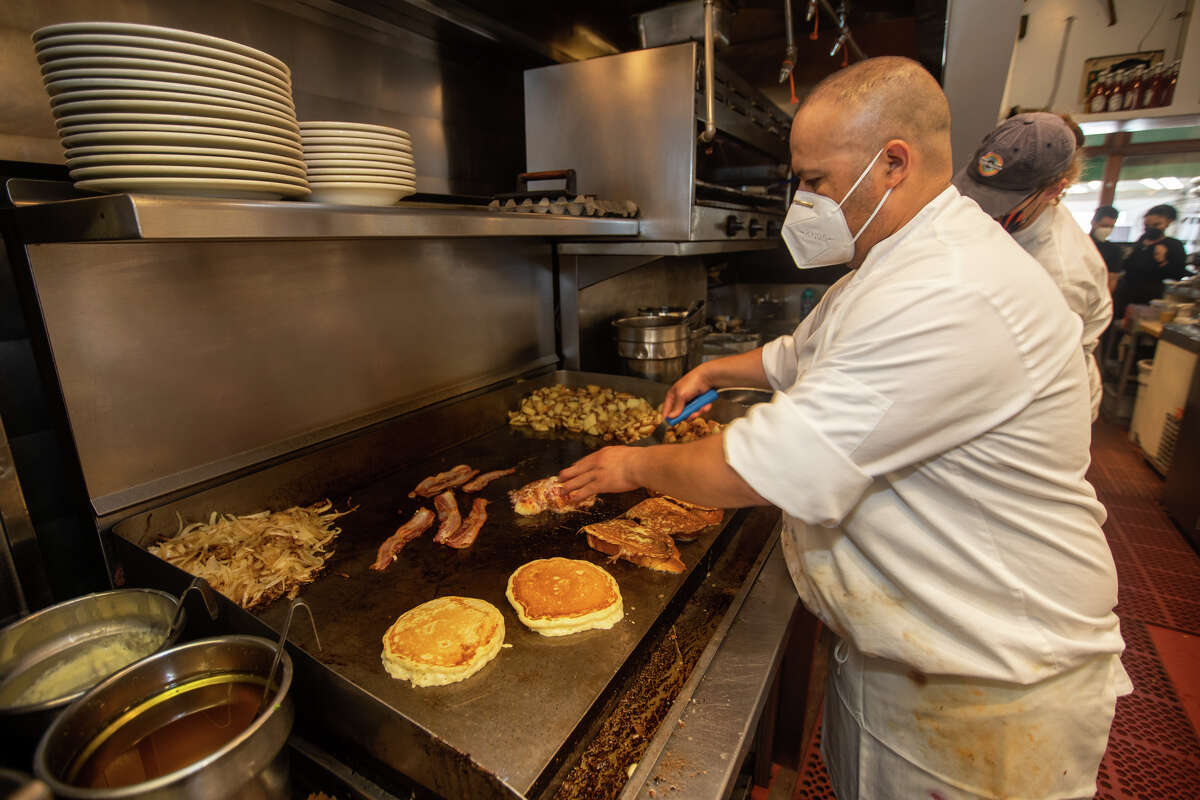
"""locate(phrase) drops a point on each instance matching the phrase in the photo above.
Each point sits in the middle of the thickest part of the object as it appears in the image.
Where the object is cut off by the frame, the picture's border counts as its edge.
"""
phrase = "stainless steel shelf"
(651, 248)
(43, 215)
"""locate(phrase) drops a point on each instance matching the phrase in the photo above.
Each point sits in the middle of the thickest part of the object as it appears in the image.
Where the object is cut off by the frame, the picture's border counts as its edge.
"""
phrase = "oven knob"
(755, 227)
(733, 225)
(772, 227)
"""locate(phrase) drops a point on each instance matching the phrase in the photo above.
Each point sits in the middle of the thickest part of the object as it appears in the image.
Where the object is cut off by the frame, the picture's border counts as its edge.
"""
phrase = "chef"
(927, 442)
(1017, 176)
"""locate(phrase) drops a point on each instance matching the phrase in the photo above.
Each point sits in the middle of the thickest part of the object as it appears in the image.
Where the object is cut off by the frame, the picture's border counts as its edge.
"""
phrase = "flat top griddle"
(513, 717)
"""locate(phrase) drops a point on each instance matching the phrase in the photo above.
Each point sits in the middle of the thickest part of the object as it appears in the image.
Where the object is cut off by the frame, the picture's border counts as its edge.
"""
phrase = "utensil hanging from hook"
(283, 637)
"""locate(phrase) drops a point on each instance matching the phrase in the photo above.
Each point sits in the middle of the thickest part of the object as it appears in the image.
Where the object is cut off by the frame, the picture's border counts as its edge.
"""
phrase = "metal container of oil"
(182, 723)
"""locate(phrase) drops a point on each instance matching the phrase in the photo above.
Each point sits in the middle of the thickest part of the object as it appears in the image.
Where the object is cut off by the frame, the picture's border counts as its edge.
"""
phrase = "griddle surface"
(513, 716)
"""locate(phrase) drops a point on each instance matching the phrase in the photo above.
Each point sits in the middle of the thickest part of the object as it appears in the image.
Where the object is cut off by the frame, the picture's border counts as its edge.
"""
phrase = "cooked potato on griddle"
(593, 410)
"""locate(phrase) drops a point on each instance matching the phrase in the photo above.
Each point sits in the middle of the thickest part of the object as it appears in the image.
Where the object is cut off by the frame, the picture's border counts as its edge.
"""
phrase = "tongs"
(283, 636)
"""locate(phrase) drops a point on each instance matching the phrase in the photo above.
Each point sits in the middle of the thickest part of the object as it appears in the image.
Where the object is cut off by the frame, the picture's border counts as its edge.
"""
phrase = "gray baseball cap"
(1020, 155)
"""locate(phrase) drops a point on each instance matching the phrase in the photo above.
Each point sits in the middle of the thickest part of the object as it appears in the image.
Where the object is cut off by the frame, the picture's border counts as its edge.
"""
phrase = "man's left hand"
(605, 471)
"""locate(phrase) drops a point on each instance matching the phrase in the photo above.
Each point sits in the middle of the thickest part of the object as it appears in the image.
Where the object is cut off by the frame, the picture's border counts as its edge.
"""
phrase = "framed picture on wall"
(1098, 66)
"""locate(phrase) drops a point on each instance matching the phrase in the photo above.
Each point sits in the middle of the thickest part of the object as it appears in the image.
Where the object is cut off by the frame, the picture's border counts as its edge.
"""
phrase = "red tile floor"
(1153, 750)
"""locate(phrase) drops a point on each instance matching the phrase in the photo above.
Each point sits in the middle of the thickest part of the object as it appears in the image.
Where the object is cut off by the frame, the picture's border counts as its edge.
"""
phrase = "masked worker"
(1017, 176)
(927, 442)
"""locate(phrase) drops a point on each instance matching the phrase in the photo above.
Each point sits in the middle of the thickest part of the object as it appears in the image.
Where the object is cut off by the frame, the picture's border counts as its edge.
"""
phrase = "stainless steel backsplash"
(181, 362)
(463, 106)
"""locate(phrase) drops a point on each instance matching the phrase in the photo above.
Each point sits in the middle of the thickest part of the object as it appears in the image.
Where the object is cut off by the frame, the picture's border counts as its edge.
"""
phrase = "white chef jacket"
(1057, 242)
(927, 444)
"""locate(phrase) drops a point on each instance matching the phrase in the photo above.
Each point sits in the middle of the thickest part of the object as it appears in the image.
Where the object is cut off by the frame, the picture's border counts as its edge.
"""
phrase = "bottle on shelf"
(1116, 92)
(1169, 81)
(1133, 88)
(1150, 86)
(1097, 99)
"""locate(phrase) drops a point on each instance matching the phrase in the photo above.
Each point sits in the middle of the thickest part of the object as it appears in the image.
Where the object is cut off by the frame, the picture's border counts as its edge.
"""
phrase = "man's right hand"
(690, 386)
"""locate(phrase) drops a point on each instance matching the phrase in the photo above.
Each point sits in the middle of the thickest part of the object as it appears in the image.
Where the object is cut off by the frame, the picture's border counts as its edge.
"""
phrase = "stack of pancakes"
(561, 596)
(443, 641)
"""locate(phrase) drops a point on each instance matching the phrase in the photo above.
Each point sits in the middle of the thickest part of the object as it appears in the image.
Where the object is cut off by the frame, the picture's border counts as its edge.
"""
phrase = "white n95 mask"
(815, 229)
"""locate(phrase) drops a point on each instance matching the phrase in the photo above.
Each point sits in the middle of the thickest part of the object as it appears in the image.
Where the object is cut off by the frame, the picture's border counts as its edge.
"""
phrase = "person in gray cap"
(1017, 176)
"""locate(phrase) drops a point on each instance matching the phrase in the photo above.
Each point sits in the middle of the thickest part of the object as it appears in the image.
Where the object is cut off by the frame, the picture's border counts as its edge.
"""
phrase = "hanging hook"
(283, 636)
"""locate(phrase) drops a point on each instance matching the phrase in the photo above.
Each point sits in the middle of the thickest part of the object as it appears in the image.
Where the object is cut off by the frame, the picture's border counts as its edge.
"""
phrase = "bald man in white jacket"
(927, 443)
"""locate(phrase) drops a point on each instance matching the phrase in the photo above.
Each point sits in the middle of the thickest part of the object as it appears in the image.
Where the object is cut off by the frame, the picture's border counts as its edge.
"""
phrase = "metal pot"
(652, 346)
(161, 690)
(54, 637)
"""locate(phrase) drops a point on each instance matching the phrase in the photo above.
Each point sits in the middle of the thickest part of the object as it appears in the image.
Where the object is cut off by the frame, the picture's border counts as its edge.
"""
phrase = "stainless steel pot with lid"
(180, 724)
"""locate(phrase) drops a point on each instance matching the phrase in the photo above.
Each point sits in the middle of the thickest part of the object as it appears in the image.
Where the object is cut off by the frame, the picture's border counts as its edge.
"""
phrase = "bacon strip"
(486, 478)
(436, 484)
(449, 520)
(410, 530)
(464, 537)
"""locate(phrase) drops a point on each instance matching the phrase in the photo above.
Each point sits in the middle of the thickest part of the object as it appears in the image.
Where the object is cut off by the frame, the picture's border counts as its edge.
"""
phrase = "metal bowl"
(162, 690)
(745, 396)
(57, 637)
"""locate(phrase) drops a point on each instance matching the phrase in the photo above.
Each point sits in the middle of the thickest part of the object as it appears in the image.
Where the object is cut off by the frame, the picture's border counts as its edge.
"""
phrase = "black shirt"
(1143, 278)
(1111, 253)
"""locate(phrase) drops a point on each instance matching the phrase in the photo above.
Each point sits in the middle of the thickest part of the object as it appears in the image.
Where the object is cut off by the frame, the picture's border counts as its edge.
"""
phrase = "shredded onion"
(254, 559)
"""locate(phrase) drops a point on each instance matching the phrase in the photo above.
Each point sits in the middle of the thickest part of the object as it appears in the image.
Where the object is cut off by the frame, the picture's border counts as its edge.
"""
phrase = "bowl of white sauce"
(50, 658)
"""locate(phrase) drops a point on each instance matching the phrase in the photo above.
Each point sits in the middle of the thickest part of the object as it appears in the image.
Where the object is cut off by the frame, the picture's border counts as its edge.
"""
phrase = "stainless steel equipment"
(629, 126)
(424, 733)
(261, 370)
(183, 680)
(54, 637)
(652, 346)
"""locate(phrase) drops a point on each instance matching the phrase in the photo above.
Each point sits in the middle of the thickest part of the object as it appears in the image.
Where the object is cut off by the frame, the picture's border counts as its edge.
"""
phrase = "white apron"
(891, 732)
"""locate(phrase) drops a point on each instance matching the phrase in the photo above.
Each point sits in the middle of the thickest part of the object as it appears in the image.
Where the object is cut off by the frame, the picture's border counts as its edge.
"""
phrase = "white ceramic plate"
(246, 105)
(196, 187)
(180, 150)
(322, 172)
(360, 163)
(51, 57)
(137, 132)
(165, 171)
(353, 151)
(353, 160)
(360, 180)
(353, 126)
(155, 160)
(356, 195)
(369, 139)
(263, 62)
(152, 105)
(111, 86)
(155, 31)
(83, 122)
(152, 69)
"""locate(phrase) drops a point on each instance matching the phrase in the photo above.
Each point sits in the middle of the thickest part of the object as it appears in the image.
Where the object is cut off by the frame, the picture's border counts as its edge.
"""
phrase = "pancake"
(443, 641)
(561, 596)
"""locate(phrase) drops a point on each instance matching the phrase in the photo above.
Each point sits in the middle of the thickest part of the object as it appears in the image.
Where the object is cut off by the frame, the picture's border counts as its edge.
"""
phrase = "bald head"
(887, 98)
(886, 120)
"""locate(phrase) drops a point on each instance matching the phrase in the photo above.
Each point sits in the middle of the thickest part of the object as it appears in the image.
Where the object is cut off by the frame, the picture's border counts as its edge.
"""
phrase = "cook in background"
(927, 442)
(1017, 176)
(1144, 275)
(1103, 222)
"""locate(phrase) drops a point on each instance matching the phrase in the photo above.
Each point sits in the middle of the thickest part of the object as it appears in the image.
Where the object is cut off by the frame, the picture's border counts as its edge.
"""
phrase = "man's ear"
(898, 155)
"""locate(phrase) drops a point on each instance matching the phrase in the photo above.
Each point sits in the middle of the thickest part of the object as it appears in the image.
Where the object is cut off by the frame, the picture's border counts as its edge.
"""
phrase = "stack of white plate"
(141, 108)
(355, 164)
